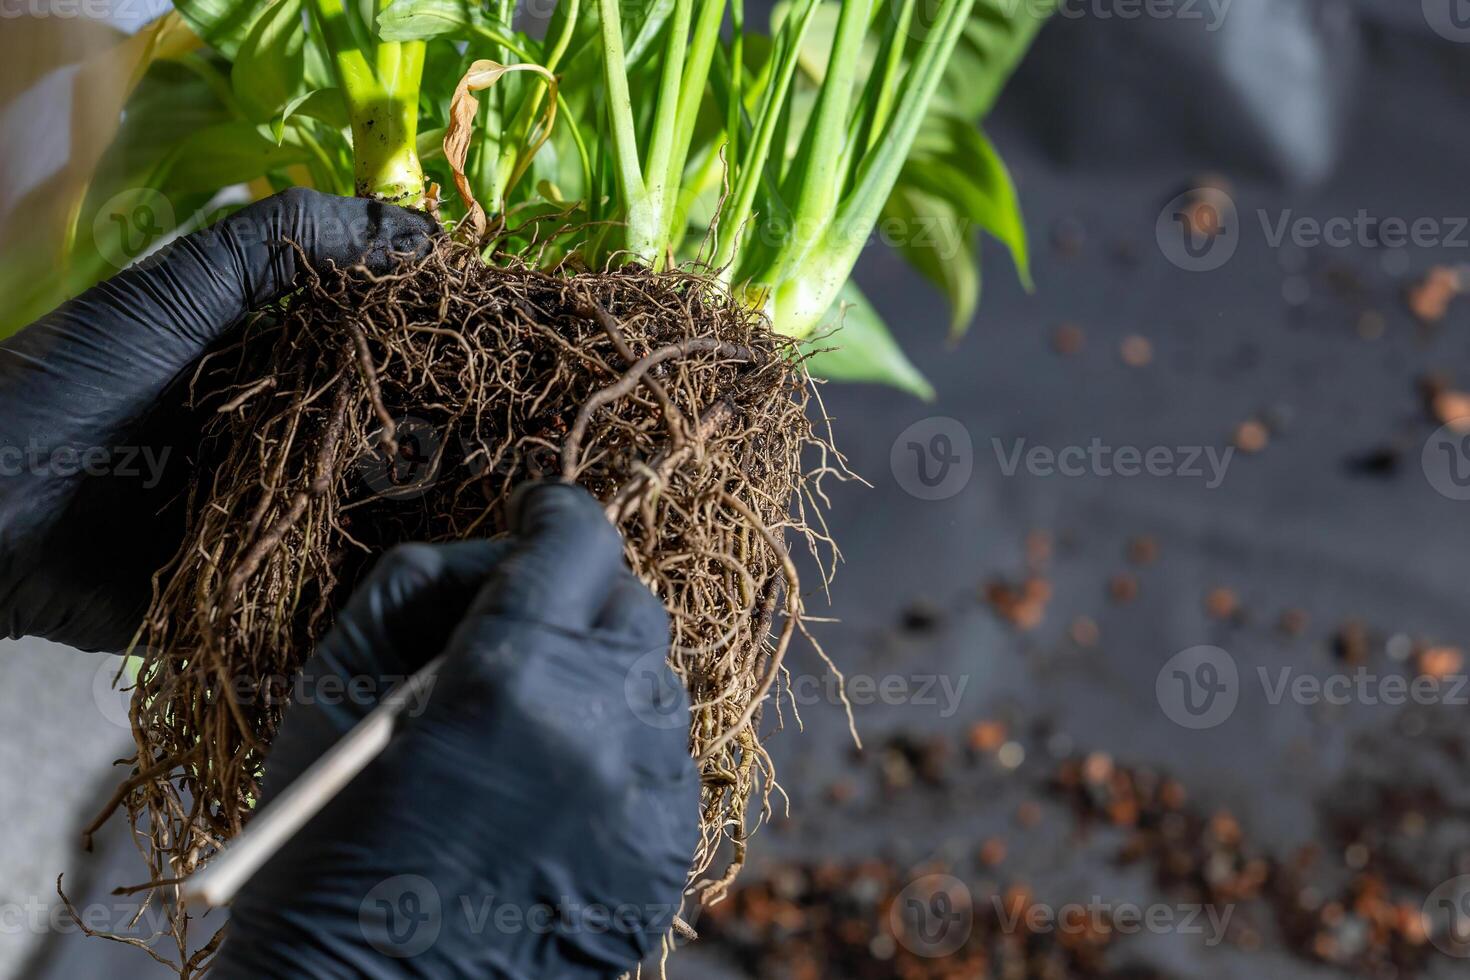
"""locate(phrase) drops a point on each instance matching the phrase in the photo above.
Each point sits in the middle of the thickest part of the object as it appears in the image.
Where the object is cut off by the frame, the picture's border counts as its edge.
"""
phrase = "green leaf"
(278, 126)
(861, 348)
(269, 67)
(174, 99)
(420, 20)
(223, 24)
(325, 105)
(816, 46)
(230, 153)
(457, 22)
(317, 70)
(954, 161)
(938, 240)
(996, 36)
(650, 16)
(642, 21)
(807, 286)
(430, 144)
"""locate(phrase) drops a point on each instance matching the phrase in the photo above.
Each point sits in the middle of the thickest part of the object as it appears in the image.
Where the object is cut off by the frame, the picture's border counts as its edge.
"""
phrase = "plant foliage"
(682, 133)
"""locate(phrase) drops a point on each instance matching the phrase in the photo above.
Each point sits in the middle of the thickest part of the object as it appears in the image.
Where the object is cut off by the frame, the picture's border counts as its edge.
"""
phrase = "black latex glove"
(94, 439)
(534, 819)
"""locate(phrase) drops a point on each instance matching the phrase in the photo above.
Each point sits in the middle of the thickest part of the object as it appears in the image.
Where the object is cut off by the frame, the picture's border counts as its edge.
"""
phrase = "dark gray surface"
(60, 725)
(1297, 525)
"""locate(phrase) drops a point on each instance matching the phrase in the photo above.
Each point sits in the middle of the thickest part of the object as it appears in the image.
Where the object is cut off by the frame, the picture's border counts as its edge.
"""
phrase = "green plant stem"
(751, 166)
(883, 87)
(329, 177)
(558, 47)
(575, 129)
(733, 121)
(503, 39)
(807, 292)
(646, 225)
(691, 94)
(817, 180)
(487, 174)
(530, 111)
(382, 105)
(876, 103)
(642, 226)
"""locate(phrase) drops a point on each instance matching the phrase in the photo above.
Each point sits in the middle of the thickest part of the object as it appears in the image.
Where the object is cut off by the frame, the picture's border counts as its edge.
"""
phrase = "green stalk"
(557, 48)
(876, 103)
(325, 173)
(691, 94)
(646, 231)
(882, 88)
(642, 228)
(530, 112)
(750, 167)
(382, 103)
(490, 120)
(817, 180)
(507, 41)
(737, 77)
(384, 141)
(803, 297)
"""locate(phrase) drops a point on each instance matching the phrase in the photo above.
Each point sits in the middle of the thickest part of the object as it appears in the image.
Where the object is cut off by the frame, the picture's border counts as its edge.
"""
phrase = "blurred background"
(1153, 621)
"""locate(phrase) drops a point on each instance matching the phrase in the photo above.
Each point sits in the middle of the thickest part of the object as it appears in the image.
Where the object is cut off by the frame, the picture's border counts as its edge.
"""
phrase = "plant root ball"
(370, 410)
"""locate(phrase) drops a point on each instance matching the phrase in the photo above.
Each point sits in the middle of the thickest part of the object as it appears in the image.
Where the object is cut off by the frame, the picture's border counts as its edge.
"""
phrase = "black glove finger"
(634, 613)
(397, 620)
(92, 369)
(656, 699)
(371, 233)
(564, 564)
(344, 231)
(404, 612)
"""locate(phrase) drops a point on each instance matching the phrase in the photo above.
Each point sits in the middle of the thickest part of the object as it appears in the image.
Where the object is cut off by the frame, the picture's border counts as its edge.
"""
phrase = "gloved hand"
(527, 822)
(94, 437)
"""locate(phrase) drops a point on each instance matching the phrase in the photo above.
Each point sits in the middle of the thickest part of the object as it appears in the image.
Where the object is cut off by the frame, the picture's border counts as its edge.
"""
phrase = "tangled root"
(373, 410)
